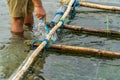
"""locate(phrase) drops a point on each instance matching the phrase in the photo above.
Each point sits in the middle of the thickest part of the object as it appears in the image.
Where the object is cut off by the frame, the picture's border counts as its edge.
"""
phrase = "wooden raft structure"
(31, 58)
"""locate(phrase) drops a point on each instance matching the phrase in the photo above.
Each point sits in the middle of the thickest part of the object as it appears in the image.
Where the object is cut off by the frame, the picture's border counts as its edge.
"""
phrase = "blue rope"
(47, 43)
(52, 23)
(61, 13)
(72, 12)
(40, 41)
(35, 41)
(46, 27)
(76, 3)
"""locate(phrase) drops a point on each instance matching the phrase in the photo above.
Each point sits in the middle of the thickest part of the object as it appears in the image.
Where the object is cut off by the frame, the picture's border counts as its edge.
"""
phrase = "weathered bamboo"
(31, 58)
(86, 50)
(92, 5)
(79, 28)
(82, 50)
(98, 6)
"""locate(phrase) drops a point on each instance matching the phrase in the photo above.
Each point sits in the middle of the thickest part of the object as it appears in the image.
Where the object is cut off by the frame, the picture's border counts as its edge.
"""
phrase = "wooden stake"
(79, 28)
(32, 57)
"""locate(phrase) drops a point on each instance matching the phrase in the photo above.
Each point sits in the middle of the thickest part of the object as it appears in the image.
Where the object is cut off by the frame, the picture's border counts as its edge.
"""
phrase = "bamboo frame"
(81, 49)
(31, 58)
(79, 28)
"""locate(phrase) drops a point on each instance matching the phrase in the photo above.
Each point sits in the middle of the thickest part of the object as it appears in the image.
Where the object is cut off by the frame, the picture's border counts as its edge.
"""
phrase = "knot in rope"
(40, 41)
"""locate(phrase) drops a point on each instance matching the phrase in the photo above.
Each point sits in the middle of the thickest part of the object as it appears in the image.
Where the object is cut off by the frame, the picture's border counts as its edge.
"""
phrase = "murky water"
(57, 65)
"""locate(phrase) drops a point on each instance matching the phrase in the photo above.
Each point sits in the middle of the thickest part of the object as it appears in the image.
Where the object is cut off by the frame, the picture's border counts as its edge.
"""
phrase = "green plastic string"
(107, 25)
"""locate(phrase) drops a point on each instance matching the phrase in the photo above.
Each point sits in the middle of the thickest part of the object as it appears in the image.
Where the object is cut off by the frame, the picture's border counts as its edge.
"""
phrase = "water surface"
(58, 65)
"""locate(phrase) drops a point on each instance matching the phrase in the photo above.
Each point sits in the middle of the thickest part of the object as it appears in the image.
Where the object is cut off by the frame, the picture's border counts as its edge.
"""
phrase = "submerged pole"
(86, 50)
(81, 50)
(79, 28)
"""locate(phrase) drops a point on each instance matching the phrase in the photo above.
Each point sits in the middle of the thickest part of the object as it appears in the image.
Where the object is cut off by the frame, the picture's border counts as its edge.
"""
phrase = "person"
(21, 12)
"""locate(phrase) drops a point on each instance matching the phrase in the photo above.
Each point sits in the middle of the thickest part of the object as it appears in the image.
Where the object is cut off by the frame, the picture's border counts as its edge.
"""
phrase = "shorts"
(20, 8)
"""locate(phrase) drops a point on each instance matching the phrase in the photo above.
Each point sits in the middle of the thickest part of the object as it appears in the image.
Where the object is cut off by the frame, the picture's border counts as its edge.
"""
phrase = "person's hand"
(40, 13)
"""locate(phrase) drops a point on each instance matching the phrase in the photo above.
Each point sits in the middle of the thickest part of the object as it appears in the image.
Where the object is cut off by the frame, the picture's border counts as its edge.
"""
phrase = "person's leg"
(17, 10)
(17, 25)
(28, 20)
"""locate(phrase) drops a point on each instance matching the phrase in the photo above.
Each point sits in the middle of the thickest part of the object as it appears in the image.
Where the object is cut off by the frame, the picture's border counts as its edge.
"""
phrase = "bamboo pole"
(92, 5)
(86, 50)
(98, 6)
(81, 49)
(79, 28)
(30, 60)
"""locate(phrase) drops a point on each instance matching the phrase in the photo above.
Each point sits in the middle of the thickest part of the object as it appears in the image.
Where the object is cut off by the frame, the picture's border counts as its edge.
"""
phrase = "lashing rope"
(73, 12)
(57, 13)
(40, 41)
(61, 13)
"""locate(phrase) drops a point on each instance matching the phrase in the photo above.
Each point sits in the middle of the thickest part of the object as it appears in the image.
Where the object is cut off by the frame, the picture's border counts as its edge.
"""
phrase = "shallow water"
(58, 65)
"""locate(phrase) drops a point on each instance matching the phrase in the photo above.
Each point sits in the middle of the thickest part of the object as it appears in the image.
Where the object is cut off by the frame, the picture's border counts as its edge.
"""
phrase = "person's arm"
(40, 11)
